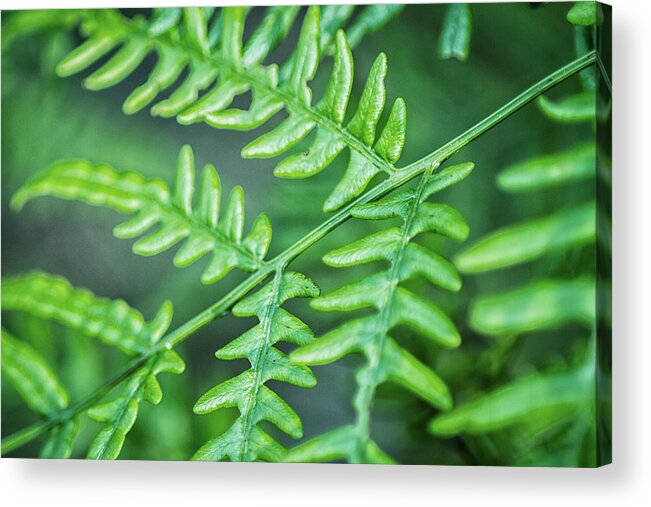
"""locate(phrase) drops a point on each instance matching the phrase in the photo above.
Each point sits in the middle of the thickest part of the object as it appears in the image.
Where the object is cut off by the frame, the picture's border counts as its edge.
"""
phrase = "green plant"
(220, 68)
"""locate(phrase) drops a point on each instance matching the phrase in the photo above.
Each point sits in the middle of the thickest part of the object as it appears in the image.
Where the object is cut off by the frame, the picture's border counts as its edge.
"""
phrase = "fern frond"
(232, 68)
(546, 303)
(395, 306)
(201, 226)
(245, 440)
(33, 378)
(115, 323)
(540, 410)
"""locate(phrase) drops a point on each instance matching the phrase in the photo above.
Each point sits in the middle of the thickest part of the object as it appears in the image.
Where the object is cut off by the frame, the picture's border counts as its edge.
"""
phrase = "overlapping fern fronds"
(245, 440)
(113, 322)
(204, 227)
(204, 231)
(395, 306)
(222, 66)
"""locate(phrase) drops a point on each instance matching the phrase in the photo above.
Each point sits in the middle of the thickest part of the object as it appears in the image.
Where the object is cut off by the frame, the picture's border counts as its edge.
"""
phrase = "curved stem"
(397, 179)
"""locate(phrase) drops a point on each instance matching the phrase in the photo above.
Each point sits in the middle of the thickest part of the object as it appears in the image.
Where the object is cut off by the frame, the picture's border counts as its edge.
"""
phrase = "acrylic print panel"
(437, 290)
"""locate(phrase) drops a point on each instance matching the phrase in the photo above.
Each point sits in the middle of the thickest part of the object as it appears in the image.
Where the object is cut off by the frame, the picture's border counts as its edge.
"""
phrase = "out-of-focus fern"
(550, 399)
(245, 440)
(34, 379)
(395, 306)
(533, 414)
(559, 398)
(223, 67)
(201, 226)
(113, 322)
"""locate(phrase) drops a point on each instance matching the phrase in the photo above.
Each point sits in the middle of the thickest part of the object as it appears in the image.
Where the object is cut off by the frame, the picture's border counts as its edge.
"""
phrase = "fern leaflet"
(454, 41)
(245, 440)
(395, 306)
(526, 399)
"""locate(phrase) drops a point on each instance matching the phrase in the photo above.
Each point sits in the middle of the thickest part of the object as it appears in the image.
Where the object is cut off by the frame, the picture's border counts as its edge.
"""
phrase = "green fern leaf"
(552, 394)
(542, 305)
(202, 228)
(394, 305)
(120, 412)
(575, 164)
(454, 41)
(59, 442)
(530, 240)
(553, 409)
(334, 445)
(32, 377)
(112, 321)
(245, 440)
(225, 66)
(573, 109)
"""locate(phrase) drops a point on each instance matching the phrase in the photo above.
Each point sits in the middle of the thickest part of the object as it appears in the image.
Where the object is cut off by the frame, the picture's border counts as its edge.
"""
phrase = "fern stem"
(397, 179)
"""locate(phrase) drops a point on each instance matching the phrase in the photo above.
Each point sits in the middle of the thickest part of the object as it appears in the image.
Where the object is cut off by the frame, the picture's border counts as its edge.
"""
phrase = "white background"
(625, 483)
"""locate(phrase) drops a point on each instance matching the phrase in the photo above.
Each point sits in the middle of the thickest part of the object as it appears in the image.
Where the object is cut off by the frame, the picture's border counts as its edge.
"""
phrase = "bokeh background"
(45, 118)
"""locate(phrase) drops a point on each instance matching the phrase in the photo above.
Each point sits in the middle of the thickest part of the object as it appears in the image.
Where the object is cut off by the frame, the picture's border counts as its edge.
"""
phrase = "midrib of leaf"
(258, 365)
(366, 392)
(290, 101)
(433, 160)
